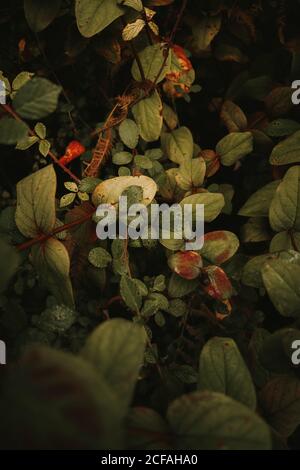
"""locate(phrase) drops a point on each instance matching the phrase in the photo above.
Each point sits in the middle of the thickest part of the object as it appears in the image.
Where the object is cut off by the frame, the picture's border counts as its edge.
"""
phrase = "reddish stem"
(44, 237)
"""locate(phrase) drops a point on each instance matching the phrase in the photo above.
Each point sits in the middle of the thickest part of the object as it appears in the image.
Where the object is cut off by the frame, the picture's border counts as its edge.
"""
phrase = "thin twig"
(45, 236)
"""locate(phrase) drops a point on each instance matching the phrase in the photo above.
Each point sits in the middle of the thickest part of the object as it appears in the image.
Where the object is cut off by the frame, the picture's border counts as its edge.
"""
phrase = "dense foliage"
(138, 343)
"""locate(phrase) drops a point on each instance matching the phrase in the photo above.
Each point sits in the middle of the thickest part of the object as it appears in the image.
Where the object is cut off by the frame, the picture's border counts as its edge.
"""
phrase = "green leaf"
(52, 263)
(152, 59)
(83, 196)
(129, 133)
(179, 287)
(219, 246)
(281, 280)
(177, 308)
(66, 200)
(222, 369)
(44, 147)
(191, 173)
(213, 204)
(251, 275)
(37, 98)
(282, 127)
(10, 261)
(143, 162)
(284, 241)
(159, 283)
(185, 373)
(259, 373)
(213, 421)
(130, 294)
(153, 304)
(40, 130)
(93, 16)
(234, 146)
(26, 143)
(12, 131)
(35, 213)
(88, 184)
(256, 230)
(116, 348)
(148, 115)
(280, 400)
(57, 319)
(258, 204)
(71, 186)
(40, 16)
(21, 79)
(178, 145)
(272, 353)
(122, 158)
(99, 257)
(256, 88)
(285, 207)
(49, 392)
(146, 429)
(287, 151)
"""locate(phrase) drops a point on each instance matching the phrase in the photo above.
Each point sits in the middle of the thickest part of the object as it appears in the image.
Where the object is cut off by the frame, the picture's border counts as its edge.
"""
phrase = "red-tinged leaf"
(219, 246)
(212, 161)
(219, 286)
(186, 264)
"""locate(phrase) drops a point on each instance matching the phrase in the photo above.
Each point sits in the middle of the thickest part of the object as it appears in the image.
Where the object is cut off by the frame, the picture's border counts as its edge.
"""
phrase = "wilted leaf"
(132, 30)
(218, 285)
(111, 189)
